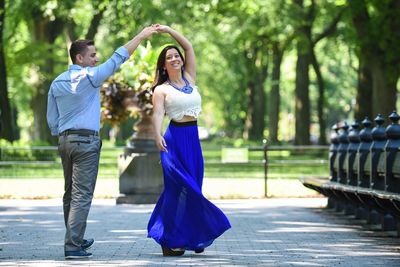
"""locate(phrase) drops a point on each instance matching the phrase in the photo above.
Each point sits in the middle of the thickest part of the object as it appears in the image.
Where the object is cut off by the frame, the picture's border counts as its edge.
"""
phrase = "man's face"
(89, 58)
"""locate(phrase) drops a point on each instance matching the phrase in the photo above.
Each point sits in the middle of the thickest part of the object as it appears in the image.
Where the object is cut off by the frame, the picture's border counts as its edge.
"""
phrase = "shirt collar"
(75, 67)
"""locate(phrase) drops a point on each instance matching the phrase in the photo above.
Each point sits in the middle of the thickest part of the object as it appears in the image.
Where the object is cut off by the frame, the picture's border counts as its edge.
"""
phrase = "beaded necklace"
(187, 89)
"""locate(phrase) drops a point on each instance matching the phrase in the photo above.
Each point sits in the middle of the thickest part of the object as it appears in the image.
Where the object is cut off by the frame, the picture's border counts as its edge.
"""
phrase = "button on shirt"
(74, 96)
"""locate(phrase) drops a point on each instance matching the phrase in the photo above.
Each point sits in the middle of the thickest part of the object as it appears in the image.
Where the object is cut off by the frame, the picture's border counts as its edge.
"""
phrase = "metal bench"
(364, 172)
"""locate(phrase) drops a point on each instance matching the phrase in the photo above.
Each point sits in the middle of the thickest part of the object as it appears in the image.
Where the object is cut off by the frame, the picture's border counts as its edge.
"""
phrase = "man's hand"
(163, 28)
(148, 31)
(145, 33)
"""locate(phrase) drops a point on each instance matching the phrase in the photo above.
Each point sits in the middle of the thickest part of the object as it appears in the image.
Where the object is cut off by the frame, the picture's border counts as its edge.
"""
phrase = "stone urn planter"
(140, 173)
(128, 93)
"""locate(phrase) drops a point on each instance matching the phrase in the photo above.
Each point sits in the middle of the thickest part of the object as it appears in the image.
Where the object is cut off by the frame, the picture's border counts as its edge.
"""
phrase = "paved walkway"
(266, 232)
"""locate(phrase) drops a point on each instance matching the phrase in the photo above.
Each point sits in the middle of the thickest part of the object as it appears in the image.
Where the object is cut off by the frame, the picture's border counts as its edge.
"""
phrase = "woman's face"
(173, 60)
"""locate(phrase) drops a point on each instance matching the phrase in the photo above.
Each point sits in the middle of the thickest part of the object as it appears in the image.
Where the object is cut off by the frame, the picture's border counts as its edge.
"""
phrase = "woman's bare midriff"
(186, 119)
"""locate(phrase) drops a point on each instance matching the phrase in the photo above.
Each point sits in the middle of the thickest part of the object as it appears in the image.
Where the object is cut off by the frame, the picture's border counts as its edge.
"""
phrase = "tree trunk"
(39, 104)
(94, 24)
(305, 53)
(257, 73)
(39, 107)
(45, 32)
(328, 30)
(255, 122)
(384, 89)
(302, 104)
(321, 100)
(258, 117)
(274, 95)
(302, 100)
(6, 121)
(379, 64)
(363, 106)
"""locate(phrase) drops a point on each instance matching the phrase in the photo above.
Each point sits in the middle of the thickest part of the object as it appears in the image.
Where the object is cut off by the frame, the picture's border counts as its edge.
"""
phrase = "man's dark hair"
(79, 47)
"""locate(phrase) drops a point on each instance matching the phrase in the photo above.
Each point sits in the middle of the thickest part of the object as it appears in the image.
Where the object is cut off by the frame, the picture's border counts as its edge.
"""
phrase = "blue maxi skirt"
(183, 217)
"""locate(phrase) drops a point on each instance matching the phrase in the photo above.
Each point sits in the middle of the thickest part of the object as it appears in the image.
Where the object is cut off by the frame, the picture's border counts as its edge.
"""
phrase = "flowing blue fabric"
(183, 217)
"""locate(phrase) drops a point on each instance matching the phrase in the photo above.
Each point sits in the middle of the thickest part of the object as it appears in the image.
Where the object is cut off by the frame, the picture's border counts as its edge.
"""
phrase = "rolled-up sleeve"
(52, 113)
(99, 74)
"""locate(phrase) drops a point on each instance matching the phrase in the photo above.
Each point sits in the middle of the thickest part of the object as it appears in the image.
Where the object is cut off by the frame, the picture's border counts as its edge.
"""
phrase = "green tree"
(47, 44)
(306, 42)
(377, 25)
(251, 43)
(281, 37)
(7, 130)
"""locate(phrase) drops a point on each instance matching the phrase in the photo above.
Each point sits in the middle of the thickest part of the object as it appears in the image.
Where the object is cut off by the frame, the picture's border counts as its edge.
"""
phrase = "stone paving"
(265, 232)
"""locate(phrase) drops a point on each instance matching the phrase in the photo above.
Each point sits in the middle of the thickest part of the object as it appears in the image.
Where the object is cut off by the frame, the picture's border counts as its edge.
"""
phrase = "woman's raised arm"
(190, 58)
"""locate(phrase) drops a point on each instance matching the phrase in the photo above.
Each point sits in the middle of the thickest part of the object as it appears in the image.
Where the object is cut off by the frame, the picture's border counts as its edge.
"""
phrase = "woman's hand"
(163, 28)
(135, 41)
(161, 144)
(148, 31)
(190, 58)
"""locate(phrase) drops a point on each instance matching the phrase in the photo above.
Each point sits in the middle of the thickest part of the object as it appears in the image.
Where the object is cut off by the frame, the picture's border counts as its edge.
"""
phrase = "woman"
(183, 218)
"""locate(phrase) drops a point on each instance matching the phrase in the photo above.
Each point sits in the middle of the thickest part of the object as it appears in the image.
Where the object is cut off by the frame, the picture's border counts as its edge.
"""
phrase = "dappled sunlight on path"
(265, 232)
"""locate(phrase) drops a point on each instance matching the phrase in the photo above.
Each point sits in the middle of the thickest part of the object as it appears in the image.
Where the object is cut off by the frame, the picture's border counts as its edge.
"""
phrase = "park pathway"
(265, 232)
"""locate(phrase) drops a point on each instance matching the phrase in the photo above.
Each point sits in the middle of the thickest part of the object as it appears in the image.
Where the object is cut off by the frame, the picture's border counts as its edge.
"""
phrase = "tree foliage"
(246, 51)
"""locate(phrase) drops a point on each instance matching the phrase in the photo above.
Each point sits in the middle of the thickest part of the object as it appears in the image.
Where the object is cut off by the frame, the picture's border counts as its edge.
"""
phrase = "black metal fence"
(259, 162)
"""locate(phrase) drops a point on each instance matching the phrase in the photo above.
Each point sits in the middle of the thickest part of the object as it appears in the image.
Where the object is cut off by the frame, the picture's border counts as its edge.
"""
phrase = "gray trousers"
(80, 159)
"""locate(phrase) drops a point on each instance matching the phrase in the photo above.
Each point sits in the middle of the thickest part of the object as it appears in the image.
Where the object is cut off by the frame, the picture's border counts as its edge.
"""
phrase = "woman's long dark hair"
(161, 75)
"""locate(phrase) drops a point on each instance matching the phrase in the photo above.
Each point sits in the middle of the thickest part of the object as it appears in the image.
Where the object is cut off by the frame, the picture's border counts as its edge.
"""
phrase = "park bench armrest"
(313, 180)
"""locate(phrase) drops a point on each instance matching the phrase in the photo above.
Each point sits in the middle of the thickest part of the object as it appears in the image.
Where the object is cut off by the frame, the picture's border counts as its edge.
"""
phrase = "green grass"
(110, 171)
(212, 155)
(50, 171)
(257, 171)
(42, 168)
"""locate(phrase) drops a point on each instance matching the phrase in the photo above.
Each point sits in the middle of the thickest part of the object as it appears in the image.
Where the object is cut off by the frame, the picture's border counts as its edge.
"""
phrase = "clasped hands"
(155, 28)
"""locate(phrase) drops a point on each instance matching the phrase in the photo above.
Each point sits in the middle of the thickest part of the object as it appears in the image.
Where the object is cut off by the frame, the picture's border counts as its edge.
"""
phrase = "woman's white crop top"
(179, 104)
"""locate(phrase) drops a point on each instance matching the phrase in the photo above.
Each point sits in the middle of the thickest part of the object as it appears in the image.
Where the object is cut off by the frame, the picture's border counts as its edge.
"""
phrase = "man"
(73, 114)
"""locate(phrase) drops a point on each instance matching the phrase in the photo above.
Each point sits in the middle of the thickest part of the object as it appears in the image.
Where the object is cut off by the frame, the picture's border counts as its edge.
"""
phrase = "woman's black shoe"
(170, 252)
(199, 250)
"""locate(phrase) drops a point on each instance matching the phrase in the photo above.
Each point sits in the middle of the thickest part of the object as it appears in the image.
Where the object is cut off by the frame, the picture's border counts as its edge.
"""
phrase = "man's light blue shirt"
(74, 96)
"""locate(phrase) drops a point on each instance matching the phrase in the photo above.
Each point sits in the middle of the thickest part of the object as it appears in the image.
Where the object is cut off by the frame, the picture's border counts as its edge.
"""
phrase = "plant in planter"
(128, 93)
